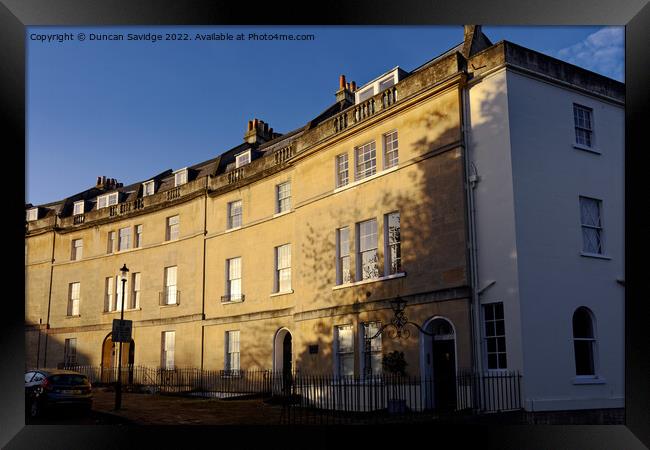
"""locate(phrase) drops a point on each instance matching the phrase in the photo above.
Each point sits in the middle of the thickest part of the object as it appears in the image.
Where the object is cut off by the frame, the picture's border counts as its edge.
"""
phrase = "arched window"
(584, 341)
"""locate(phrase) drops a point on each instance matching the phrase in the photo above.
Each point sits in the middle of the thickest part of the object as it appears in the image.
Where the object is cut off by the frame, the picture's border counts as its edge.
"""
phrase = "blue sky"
(132, 109)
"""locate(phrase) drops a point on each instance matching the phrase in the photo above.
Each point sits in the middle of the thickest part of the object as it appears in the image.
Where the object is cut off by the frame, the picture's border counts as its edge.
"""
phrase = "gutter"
(49, 295)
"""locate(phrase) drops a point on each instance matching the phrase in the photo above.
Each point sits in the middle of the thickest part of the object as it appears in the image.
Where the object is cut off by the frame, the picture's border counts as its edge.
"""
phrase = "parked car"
(47, 389)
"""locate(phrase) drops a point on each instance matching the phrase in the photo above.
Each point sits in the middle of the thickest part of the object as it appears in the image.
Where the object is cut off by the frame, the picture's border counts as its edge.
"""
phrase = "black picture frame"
(15, 15)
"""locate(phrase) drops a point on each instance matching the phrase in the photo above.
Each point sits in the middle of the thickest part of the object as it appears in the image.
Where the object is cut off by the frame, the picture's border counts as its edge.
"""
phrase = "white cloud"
(602, 52)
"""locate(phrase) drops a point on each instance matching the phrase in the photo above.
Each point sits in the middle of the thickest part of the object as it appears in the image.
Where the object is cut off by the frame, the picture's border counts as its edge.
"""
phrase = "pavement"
(155, 409)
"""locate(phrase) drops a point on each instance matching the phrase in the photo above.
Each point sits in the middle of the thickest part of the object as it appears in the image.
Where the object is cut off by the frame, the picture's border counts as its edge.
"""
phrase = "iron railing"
(315, 394)
(168, 297)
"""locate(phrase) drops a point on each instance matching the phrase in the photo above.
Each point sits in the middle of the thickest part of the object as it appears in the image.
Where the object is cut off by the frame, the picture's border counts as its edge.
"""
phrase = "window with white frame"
(583, 121)
(110, 245)
(167, 350)
(393, 242)
(135, 295)
(591, 222)
(78, 207)
(231, 363)
(77, 249)
(118, 293)
(584, 342)
(234, 214)
(138, 237)
(344, 351)
(495, 336)
(233, 280)
(109, 299)
(32, 214)
(172, 228)
(170, 293)
(73, 298)
(283, 268)
(243, 158)
(106, 200)
(124, 238)
(372, 355)
(342, 176)
(366, 160)
(148, 188)
(283, 196)
(367, 258)
(365, 94)
(180, 177)
(70, 352)
(391, 152)
(343, 274)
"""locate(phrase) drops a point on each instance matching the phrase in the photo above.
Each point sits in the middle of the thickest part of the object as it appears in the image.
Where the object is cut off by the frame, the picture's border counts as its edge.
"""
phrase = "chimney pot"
(342, 82)
(99, 180)
(250, 125)
(353, 85)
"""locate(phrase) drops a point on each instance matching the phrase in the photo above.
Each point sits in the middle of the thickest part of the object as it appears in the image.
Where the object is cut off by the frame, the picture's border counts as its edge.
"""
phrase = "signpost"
(122, 330)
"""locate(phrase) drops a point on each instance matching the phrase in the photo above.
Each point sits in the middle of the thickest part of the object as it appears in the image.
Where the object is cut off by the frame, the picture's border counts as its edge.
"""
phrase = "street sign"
(122, 330)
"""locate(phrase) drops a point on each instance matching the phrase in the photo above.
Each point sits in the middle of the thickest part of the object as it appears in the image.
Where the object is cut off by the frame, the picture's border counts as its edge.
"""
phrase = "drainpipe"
(470, 183)
(205, 232)
(49, 295)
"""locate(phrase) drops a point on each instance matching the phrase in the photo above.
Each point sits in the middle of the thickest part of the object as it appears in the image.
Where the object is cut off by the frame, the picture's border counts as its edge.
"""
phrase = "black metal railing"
(78, 219)
(169, 297)
(228, 298)
(174, 193)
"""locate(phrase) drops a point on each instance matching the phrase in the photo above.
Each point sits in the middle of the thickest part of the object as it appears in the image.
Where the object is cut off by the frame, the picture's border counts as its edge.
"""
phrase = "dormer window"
(377, 85)
(180, 177)
(148, 188)
(32, 214)
(106, 200)
(243, 158)
(78, 208)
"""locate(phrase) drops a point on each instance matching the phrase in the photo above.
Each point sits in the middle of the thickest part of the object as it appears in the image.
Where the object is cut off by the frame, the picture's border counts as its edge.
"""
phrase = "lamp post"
(118, 389)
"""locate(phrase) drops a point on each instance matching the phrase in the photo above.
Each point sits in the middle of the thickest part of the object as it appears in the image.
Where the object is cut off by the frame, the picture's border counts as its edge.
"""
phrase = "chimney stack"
(474, 40)
(344, 94)
(259, 132)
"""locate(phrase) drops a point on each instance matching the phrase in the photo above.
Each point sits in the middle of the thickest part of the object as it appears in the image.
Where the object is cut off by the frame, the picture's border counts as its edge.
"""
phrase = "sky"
(131, 109)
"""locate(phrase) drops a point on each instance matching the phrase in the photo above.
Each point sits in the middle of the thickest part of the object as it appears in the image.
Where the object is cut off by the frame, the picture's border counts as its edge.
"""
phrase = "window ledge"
(232, 302)
(126, 310)
(72, 316)
(229, 230)
(587, 149)
(277, 294)
(171, 304)
(588, 380)
(594, 255)
(363, 180)
(372, 280)
(282, 213)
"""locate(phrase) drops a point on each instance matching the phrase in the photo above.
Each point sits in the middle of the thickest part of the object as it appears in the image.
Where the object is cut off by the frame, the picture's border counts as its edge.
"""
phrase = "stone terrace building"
(286, 250)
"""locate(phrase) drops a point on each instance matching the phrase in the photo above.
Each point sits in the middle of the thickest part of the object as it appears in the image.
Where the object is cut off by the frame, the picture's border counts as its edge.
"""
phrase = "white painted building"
(545, 162)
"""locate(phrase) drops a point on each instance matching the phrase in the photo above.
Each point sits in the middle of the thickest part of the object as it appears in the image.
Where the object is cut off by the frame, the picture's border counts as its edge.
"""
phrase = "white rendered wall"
(489, 150)
(529, 235)
(549, 175)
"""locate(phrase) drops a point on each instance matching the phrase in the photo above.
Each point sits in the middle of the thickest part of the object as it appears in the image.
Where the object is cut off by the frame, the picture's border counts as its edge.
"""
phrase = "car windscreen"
(71, 380)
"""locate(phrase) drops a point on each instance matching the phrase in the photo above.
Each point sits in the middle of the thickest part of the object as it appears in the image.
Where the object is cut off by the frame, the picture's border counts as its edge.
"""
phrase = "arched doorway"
(282, 357)
(282, 351)
(110, 352)
(438, 351)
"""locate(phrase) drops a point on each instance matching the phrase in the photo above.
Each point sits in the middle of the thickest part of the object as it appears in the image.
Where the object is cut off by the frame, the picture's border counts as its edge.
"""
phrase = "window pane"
(492, 361)
(366, 160)
(369, 265)
(582, 327)
(345, 339)
(342, 169)
(391, 157)
(502, 361)
(584, 357)
(368, 235)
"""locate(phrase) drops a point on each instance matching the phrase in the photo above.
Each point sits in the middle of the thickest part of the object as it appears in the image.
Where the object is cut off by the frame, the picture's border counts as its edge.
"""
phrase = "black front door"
(444, 374)
(286, 354)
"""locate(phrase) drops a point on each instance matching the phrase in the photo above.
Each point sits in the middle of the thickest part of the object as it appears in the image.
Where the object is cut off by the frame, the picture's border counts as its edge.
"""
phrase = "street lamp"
(118, 389)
